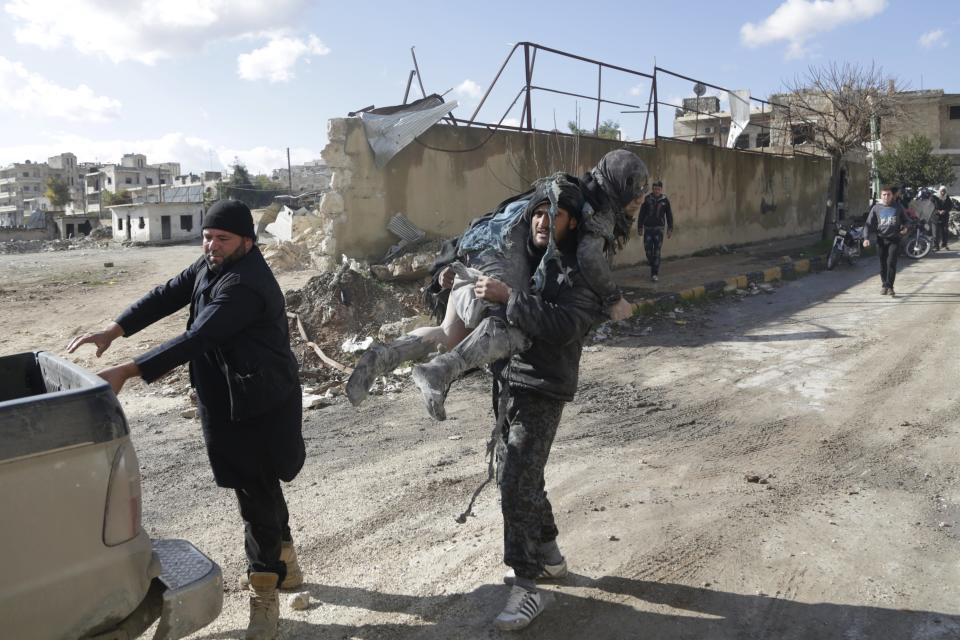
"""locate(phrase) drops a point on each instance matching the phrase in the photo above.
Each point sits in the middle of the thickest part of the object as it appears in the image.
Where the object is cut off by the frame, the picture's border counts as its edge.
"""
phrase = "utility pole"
(289, 172)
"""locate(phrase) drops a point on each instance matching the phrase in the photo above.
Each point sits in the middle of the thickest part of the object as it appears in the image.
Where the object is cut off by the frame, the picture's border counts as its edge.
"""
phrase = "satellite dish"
(699, 89)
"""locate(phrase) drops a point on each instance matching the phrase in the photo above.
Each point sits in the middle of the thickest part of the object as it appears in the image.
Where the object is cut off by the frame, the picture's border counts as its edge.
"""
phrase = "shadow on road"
(626, 608)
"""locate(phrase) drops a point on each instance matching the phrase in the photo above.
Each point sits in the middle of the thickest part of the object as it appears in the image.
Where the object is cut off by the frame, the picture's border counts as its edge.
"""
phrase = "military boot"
(264, 606)
(492, 340)
(381, 358)
(288, 556)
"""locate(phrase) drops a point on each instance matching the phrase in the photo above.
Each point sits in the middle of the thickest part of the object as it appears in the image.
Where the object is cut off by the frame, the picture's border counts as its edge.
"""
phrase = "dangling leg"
(492, 340)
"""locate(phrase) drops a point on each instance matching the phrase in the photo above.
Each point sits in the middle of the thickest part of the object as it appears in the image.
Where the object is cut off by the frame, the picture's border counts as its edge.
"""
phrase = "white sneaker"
(549, 572)
(654, 278)
(522, 607)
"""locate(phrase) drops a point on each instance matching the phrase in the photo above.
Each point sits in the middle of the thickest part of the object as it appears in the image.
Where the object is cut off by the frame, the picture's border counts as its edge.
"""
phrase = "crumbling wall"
(450, 175)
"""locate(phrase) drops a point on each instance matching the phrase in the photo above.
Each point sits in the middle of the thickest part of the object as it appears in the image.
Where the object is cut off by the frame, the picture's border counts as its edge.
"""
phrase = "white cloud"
(511, 122)
(276, 60)
(639, 90)
(932, 39)
(192, 152)
(797, 21)
(23, 91)
(144, 30)
(468, 89)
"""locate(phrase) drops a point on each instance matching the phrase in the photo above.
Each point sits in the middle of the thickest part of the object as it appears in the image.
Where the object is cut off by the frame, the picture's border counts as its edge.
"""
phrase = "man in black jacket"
(889, 221)
(655, 216)
(530, 391)
(942, 206)
(248, 391)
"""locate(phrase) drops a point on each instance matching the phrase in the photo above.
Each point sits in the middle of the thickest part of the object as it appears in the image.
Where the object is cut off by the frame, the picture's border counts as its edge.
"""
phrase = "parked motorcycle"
(847, 243)
(919, 240)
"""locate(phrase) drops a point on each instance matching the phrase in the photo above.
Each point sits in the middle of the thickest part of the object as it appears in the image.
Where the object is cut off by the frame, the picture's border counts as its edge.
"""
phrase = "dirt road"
(840, 403)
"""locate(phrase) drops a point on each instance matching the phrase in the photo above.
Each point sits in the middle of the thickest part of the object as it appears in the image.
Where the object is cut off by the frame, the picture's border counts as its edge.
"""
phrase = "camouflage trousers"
(652, 242)
(527, 423)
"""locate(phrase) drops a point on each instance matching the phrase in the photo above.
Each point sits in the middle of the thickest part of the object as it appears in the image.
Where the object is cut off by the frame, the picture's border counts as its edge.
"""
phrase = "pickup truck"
(76, 560)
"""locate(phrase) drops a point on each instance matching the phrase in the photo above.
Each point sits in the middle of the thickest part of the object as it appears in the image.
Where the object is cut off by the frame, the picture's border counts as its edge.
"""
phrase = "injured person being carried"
(509, 251)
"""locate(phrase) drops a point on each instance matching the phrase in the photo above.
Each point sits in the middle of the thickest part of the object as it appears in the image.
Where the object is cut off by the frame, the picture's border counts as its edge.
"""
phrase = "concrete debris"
(355, 344)
(290, 224)
(41, 246)
(189, 414)
(299, 601)
(288, 256)
(407, 267)
(393, 330)
(316, 402)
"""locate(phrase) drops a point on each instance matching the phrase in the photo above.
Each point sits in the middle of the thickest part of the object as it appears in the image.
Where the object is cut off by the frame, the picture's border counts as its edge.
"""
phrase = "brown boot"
(264, 607)
(288, 556)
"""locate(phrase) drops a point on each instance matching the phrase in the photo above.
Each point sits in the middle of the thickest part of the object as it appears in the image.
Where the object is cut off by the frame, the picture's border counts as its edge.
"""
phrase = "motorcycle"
(847, 243)
(919, 241)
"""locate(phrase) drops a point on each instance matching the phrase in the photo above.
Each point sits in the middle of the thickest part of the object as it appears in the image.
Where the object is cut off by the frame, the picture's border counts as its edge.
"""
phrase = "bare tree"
(831, 108)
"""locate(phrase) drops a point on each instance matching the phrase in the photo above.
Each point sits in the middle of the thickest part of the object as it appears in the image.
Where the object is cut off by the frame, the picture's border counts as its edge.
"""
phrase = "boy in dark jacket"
(889, 221)
(248, 390)
(655, 217)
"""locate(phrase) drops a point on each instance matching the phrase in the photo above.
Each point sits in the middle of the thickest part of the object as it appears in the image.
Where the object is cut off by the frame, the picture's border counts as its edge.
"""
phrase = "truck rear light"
(121, 520)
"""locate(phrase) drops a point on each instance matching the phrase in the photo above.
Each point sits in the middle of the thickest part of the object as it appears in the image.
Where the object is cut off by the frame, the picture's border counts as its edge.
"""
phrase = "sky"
(205, 82)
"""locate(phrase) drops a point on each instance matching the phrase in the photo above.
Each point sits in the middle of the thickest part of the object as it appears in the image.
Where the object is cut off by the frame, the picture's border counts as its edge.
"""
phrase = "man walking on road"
(889, 221)
(530, 391)
(247, 386)
(655, 216)
(942, 206)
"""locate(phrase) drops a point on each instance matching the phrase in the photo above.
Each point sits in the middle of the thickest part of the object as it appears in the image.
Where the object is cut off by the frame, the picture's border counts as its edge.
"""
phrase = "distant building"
(23, 184)
(310, 177)
(934, 115)
(157, 223)
(133, 174)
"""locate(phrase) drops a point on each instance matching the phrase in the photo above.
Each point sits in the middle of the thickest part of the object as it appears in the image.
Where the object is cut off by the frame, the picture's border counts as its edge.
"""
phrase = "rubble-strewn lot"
(764, 466)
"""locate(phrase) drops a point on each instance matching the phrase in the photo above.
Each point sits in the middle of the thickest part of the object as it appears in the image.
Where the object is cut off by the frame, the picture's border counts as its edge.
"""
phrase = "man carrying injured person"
(496, 246)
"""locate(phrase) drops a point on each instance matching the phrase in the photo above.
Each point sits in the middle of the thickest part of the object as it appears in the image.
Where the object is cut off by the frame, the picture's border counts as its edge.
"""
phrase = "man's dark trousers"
(889, 251)
(652, 242)
(266, 523)
(526, 434)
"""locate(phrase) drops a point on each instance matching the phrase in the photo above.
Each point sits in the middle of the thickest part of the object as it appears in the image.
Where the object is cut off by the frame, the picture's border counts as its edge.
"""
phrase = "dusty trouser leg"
(529, 529)
(492, 340)
(381, 358)
(652, 242)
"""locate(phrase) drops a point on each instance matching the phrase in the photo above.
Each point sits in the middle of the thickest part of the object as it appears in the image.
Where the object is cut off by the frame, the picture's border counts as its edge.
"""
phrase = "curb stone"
(787, 270)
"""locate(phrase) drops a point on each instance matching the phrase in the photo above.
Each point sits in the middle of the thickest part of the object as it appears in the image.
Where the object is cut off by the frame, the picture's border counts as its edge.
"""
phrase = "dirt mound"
(335, 306)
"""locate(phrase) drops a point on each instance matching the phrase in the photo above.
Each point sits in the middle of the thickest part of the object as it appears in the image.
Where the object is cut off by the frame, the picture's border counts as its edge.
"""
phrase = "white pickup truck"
(76, 561)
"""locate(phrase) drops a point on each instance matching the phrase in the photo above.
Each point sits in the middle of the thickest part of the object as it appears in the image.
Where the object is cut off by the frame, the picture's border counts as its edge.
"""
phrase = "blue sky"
(204, 81)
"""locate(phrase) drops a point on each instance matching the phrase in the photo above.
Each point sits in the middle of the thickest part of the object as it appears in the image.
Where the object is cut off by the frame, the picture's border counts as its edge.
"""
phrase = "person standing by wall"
(248, 390)
(942, 206)
(655, 218)
(888, 220)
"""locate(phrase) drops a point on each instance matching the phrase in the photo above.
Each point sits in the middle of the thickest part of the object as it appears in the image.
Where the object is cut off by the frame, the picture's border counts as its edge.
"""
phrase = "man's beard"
(227, 260)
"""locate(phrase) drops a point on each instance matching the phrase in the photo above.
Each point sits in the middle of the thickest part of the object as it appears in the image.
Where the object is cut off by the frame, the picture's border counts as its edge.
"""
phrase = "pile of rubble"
(341, 313)
(93, 241)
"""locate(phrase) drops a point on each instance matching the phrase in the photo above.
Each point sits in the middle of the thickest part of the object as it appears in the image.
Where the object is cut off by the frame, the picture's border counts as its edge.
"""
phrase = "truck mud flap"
(193, 593)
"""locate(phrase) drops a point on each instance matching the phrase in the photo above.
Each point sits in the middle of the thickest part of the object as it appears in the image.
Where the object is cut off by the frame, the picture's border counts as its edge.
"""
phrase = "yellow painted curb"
(801, 266)
(771, 274)
(694, 293)
(740, 282)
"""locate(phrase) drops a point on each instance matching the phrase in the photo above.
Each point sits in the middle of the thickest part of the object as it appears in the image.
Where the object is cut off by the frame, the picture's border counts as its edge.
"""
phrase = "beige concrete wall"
(453, 174)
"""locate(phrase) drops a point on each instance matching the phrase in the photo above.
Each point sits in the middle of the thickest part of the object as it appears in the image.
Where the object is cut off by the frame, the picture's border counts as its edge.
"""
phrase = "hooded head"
(623, 177)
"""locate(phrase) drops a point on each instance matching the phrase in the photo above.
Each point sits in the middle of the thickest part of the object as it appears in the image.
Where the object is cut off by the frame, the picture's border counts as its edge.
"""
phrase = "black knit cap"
(230, 215)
